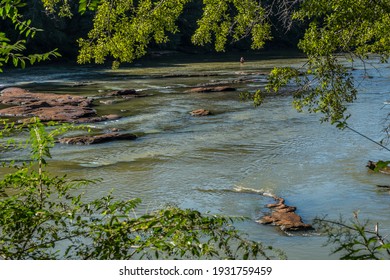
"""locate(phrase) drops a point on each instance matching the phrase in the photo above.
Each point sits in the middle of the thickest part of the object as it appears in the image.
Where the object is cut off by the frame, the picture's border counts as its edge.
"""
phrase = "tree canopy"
(124, 29)
(350, 29)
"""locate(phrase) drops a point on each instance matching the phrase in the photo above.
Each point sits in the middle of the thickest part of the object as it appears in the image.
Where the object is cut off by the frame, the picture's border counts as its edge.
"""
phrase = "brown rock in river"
(288, 221)
(284, 216)
(126, 94)
(48, 106)
(65, 113)
(19, 96)
(200, 112)
(111, 117)
(211, 89)
(96, 139)
(123, 92)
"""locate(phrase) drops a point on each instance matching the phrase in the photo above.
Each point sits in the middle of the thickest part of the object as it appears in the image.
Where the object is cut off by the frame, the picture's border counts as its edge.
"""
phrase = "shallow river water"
(217, 163)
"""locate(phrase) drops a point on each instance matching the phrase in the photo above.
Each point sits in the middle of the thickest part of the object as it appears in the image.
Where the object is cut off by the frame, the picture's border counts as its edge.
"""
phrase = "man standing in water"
(242, 60)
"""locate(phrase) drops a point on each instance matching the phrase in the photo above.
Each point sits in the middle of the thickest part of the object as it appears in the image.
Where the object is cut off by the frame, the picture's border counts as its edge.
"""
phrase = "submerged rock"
(111, 117)
(211, 89)
(118, 96)
(96, 139)
(126, 94)
(284, 216)
(383, 186)
(200, 113)
(123, 92)
(110, 101)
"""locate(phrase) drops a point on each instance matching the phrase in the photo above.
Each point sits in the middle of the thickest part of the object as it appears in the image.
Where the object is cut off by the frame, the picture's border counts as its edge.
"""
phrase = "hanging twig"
(368, 138)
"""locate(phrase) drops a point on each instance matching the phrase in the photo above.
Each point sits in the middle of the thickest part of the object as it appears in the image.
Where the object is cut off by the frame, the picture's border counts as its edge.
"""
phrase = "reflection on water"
(211, 163)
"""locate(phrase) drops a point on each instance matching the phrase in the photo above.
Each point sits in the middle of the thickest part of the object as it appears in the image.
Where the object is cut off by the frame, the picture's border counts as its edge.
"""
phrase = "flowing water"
(219, 163)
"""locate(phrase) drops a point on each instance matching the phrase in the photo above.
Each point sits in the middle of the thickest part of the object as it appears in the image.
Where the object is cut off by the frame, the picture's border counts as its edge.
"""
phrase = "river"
(217, 163)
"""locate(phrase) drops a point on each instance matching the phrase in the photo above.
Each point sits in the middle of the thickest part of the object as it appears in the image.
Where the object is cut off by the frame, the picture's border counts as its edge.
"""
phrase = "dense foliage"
(124, 29)
(340, 28)
(338, 33)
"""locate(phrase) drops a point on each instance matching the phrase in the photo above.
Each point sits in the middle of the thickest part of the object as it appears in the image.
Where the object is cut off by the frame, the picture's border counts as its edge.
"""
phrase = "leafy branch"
(355, 240)
(15, 52)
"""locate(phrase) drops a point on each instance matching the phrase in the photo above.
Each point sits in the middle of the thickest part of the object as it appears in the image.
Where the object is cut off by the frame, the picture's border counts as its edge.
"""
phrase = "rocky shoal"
(49, 107)
(284, 216)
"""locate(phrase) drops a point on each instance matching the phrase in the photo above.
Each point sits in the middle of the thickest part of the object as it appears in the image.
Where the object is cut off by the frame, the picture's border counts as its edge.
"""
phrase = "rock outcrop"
(49, 107)
(284, 216)
(19, 96)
